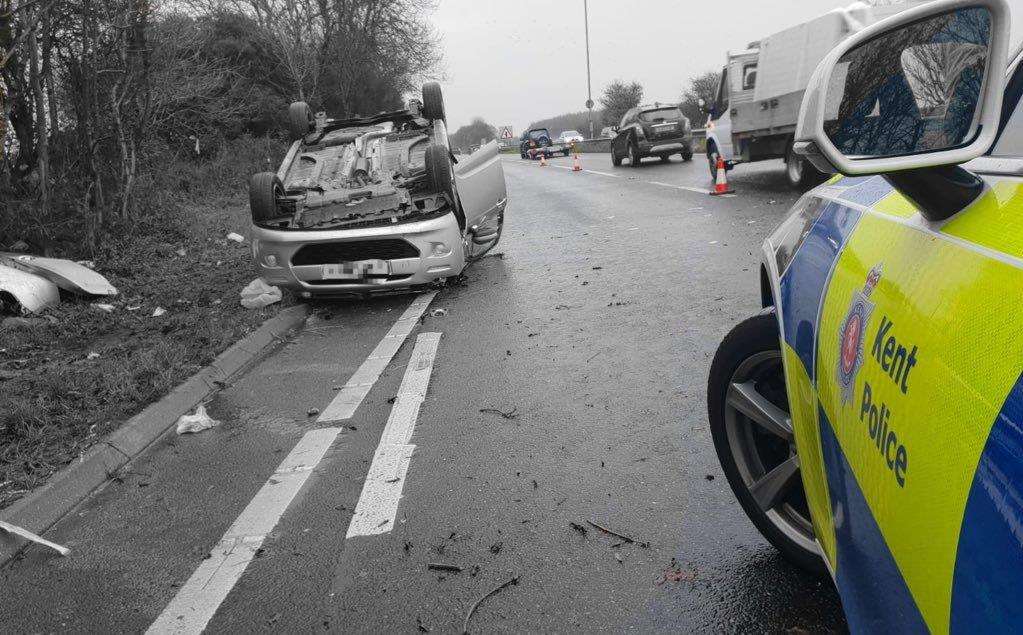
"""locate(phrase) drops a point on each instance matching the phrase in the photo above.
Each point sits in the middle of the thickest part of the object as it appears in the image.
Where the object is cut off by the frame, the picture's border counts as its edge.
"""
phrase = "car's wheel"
(615, 159)
(438, 170)
(433, 102)
(665, 158)
(633, 154)
(300, 119)
(799, 172)
(265, 189)
(687, 155)
(712, 160)
(749, 421)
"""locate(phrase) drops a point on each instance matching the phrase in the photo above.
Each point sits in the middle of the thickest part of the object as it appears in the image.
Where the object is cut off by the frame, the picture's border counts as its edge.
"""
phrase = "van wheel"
(712, 160)
(265, 189)
(800, 173)
(749, 421)
(433, 102)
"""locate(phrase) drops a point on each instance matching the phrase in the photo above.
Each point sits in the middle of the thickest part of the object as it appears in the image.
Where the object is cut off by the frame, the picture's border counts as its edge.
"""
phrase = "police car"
(870, 418)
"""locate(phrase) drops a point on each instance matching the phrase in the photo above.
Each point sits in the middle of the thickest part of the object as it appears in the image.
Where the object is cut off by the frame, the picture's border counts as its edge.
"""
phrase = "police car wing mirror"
(912, 97)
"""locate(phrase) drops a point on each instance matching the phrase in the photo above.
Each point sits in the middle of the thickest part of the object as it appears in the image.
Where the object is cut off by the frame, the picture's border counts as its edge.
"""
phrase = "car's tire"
(615, 159)
(746, 376)
(438, 171)
(687, 155)
(800, 173)
(567, 152)
(300, 119)
(433, 102)
(634, 158)
(665, 158)
(265, 189)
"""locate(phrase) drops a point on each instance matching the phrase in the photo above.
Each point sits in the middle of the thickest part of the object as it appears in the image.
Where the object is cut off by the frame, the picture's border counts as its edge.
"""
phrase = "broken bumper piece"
(340, 261)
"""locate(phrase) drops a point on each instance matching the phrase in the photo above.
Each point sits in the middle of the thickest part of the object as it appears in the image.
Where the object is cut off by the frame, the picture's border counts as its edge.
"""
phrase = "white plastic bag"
(196, 422)
(258, 294)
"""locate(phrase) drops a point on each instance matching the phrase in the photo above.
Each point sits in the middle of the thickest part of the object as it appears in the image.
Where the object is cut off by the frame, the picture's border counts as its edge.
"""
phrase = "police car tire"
(754, 335)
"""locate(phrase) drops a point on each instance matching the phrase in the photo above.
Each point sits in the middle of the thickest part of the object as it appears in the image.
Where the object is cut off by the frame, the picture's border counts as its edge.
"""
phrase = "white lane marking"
(698, 190)
(347, 401)
(378, 504)
(198, 600)
(614, 176)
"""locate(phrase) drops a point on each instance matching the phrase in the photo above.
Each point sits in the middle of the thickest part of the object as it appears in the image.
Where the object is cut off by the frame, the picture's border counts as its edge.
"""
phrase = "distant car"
(607, 132)
(537, 142)
(570, 136)
(374, 203)
(658, 130)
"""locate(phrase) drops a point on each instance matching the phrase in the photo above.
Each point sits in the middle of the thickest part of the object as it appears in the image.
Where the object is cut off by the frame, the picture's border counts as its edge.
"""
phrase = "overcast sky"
(516, 61)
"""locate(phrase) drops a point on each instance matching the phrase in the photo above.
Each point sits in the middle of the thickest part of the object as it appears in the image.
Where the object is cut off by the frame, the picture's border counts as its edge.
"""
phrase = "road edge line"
(69, 486)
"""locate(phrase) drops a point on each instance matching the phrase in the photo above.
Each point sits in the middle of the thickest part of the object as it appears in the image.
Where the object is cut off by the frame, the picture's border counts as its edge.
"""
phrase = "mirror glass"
(912, 89)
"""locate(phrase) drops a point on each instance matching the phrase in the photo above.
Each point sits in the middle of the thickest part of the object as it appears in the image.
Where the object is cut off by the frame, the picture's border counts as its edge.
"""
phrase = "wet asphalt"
(591, 326)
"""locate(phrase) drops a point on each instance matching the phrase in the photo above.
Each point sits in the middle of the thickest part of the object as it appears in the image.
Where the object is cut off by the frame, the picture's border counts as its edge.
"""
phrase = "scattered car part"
(32, 292)
(66, 274)
(258, 294)
(31, 537)
(196, 422)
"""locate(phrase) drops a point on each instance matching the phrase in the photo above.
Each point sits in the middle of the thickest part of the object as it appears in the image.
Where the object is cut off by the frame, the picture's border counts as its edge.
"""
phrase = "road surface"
(562, 383)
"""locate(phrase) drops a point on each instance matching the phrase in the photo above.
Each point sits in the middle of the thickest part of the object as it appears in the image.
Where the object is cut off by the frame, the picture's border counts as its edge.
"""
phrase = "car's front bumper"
(438, 241)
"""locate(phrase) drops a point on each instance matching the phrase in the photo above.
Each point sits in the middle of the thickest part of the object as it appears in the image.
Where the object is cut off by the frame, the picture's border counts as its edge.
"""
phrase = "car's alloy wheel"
(753, 437)
(633, 155)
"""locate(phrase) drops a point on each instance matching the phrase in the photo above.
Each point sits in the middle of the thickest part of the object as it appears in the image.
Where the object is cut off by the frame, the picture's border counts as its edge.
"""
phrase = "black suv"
(660, 130)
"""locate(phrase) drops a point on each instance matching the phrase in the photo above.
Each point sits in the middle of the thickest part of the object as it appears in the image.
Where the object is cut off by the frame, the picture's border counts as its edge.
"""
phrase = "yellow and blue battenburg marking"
(903, 348)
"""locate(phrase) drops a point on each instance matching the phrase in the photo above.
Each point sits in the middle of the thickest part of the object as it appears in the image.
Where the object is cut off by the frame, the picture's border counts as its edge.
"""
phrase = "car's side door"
(918, 363)
(479, 180)
(621, 140)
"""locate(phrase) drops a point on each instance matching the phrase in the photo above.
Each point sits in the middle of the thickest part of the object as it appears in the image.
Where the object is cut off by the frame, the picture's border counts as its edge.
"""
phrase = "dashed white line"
(378, 504)
(614, 176)
(347, 401)
(698, 190)
(198, 600)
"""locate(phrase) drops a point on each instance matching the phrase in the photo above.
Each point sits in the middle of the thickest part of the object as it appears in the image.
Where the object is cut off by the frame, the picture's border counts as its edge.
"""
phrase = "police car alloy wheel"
(749, 420)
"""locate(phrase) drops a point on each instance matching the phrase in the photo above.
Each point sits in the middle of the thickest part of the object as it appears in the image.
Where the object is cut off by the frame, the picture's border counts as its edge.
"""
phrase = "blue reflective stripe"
(866, 192)
(875, 597)
(804, 282)
(987, 588)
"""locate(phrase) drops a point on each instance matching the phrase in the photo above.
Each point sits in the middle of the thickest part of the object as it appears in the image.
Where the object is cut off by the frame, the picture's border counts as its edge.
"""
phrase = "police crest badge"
(851, 334)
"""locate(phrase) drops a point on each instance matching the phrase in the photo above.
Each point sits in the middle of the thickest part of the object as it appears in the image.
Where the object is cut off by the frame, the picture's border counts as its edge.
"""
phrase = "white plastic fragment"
(92, 355)
(28, 535)
(196, 422)
(106, 308)
(159, 311)
(238, 238)
(258, 294)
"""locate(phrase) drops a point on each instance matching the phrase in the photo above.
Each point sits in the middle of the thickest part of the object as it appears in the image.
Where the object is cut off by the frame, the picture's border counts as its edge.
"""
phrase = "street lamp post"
(589, 89)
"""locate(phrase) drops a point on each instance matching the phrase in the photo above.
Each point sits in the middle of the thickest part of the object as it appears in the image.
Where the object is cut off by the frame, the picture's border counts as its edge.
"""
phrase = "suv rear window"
(536, 135)
(660, 115)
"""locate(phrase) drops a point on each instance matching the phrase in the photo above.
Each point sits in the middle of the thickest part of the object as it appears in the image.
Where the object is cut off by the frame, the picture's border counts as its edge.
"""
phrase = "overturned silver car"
(374, 203)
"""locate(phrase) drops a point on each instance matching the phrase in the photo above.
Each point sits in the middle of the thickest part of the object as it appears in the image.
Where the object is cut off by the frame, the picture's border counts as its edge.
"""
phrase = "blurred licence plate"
(355, 270)
(663, 131)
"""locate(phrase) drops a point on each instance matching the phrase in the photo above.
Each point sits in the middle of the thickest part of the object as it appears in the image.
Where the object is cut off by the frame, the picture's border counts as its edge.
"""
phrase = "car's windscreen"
(1010, 142)
(660, 115)
(570, 133)
(536, 135)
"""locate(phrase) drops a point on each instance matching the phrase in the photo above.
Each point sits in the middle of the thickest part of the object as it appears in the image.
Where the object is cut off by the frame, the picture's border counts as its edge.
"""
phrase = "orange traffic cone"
(543, 159)
(721, 182)
(576, 166)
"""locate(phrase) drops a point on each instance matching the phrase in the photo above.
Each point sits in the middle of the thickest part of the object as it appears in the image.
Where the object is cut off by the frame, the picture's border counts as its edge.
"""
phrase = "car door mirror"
(920, 89)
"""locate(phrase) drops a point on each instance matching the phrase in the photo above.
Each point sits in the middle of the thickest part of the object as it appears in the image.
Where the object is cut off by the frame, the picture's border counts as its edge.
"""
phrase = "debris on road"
(438, 312)
(422, 628)
(159, 311)
(512, 414)
(578, 527)
(238, 238)
(312, 412)
(494, 591)
(196, 422)
(675, 573)
(496, 548)
(31, 537)
(625, 538)
(258, 294)
(440, 566)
